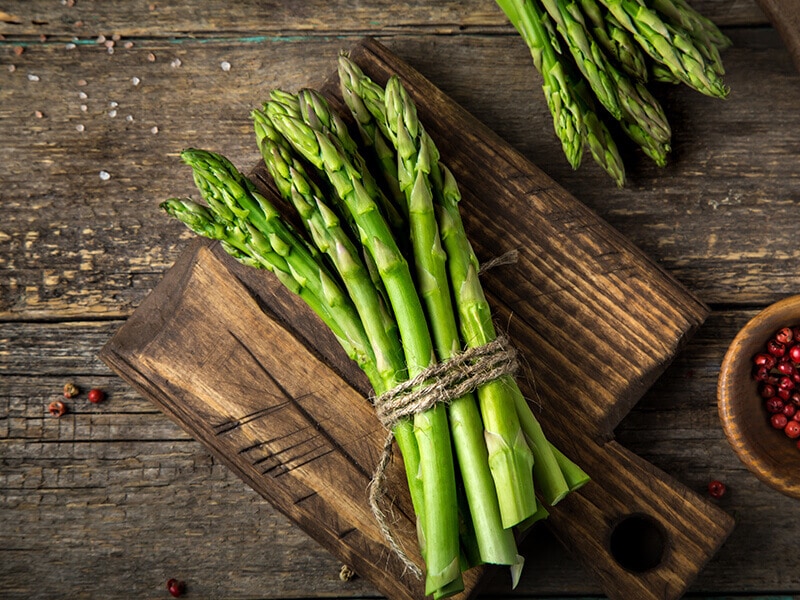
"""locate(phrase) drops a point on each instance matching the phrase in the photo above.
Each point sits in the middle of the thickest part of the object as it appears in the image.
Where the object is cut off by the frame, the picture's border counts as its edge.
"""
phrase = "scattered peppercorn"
(71, 390)
(176, 588)
(57, 408)
(96, 395)
(716, 489)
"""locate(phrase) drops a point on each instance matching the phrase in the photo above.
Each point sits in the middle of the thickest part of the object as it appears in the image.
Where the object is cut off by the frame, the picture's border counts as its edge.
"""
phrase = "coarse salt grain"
(110, 50)
(225, 66)
(82, 82)
(128, 45)
(151, 57)
(70, 46)
(135, 80)
(113, 104)
(12, 68)
(112, 113)
(176, 62)
(105, 175)
(38, 114)
(82, 95)
(32, 77)
(154, 130)
(84, 108)
(116, 37)
(129, 118)
(79, 127)
(101, 39)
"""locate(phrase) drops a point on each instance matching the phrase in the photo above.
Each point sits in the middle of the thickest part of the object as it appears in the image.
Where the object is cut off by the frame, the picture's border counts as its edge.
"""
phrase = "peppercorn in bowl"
(758, 395)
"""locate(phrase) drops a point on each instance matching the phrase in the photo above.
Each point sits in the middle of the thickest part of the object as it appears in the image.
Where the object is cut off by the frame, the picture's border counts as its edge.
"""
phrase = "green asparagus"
(431, 426)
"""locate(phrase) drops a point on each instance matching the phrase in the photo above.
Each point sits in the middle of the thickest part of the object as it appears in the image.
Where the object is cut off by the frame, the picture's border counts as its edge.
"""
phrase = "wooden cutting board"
(249, 371)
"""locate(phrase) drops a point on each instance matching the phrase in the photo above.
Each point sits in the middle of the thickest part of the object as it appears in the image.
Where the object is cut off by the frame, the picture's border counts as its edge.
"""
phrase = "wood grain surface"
(574, 273)
(113, 499)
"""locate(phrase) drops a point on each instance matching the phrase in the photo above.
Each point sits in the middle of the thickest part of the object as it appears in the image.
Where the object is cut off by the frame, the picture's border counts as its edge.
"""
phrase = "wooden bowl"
(767, 452)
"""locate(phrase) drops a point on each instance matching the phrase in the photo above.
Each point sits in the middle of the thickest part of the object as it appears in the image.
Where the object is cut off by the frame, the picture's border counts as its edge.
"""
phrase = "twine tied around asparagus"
(441, 382)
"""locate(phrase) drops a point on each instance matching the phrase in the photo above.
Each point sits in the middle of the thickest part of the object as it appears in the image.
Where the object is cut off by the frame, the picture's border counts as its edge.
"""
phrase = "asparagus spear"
(309, 106)
(431, 427)
(627, 101)
(615, 39)
(371, 133)
(256, 233)
(668, 46)
(477, 329)
(536, 29)
(709, 39)
(296, 186)
(475, 322)
(567, 118)
(496, 544)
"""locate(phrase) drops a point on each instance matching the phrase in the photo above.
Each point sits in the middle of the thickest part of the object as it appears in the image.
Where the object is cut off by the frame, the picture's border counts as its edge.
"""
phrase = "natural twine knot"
(442, 382)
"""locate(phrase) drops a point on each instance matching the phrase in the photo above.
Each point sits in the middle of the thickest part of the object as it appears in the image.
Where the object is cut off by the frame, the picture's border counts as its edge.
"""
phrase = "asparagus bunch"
(386, 264)
(614, 47)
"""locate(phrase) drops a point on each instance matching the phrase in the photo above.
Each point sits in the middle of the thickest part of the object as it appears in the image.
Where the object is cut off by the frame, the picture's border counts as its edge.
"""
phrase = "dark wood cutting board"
(249, 371)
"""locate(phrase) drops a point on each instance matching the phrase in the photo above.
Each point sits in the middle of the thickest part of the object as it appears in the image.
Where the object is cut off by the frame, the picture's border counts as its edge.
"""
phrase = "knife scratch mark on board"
(303, 412)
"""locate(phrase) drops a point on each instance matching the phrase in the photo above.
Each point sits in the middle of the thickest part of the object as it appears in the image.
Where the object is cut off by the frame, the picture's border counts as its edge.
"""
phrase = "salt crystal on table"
(70, 46)
(101, 39)
(135, 80)
(112, 113)
(32, 77)
(84, 108)
(175, 62)
(128, 45)
(79, 127)
(225, 66)
(12, 68)
(113, 104)
(105, 175)
(154, 130)
(82, 95)
(129, 118)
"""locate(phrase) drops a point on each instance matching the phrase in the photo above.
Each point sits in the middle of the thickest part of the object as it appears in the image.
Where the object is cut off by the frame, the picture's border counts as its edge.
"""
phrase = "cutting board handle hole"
(637, 543)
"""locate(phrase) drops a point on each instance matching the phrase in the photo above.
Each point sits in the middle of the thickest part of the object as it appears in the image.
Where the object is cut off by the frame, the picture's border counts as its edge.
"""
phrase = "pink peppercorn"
(96, 395)
(785, 335)
(792, 429)
(716, 489)
(779, 420)
(774, 405)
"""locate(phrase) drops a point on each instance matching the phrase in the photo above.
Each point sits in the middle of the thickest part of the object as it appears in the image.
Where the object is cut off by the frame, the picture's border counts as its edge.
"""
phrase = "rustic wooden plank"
(180, 504)
(292, 429)
(89, 18)
(97, 247)
(622, 296)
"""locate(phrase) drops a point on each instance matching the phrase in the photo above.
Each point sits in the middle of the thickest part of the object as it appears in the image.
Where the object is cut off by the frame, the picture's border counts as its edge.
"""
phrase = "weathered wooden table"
(96, 101)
